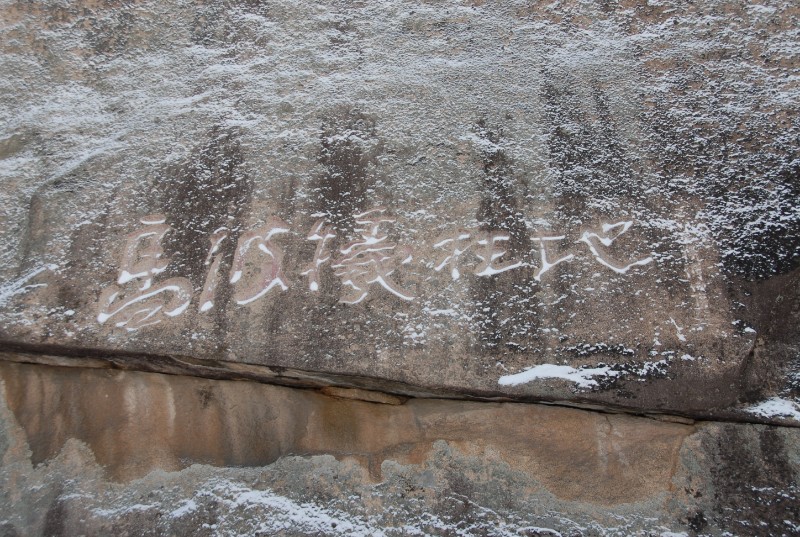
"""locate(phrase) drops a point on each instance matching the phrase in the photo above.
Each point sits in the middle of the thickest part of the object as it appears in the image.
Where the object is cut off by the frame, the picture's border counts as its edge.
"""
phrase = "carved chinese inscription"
(610, 233)
(322, 233)
(368, 263)
(266, 262)
(212, 262)
(141, 302)
(369, 260)
(456, 244)
(546, 262)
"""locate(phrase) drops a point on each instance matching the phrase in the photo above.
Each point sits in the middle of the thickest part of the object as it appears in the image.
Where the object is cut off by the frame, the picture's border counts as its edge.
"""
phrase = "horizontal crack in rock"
(338, 385)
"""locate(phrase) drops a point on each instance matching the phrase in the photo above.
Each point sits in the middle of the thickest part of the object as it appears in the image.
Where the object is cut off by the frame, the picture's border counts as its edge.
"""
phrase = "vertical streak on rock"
(504, 303)
(209, 191)
(348, 151)
(592, 168)
(752, 481)
(349, 146)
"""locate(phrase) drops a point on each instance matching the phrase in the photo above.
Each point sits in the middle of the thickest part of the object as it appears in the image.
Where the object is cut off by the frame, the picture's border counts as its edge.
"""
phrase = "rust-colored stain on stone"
(136, 422)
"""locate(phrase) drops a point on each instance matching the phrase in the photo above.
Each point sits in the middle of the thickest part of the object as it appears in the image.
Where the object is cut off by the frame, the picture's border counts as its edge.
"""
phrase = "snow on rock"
(548, 178)
(776, 407)
(284, 513)
(583, 377)
(20, 285)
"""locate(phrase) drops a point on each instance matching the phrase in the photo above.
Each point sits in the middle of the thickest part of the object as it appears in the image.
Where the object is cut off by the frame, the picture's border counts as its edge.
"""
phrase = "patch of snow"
(776, 407)
(122, 510)
(286, 513)
(187, 507)
(678, 330)
(450, 312)
(582, 377)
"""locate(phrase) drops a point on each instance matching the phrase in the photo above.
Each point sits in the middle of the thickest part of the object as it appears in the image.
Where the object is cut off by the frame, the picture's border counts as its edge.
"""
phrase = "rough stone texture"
(149, 454)
(302, 268)
(658, 140)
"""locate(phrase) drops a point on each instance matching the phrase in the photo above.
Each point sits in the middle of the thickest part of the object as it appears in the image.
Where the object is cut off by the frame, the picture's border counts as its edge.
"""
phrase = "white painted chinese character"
(142, 259)
(269, 268)
(369, 260)
(212, 262)
(456, 244)
(490, 251)
(609, 234)
(321, 233)
(546, 263)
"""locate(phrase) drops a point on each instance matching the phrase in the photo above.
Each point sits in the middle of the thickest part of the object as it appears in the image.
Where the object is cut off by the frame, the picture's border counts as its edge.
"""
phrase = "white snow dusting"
(21, 285)
(776, 407)
(582, 377)
(284, 513)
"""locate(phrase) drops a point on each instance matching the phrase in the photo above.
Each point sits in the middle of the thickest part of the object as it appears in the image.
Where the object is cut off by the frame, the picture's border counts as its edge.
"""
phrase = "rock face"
(332, 464)
(386, 205)
(538, 202)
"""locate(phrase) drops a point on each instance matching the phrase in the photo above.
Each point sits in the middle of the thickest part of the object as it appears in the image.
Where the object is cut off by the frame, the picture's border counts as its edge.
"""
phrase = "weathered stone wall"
(555, 201)
(327, 262)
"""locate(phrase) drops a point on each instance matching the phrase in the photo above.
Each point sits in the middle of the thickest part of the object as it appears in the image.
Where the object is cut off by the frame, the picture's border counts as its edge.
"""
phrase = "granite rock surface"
(399, 268)
(552, 201)
(151, 454)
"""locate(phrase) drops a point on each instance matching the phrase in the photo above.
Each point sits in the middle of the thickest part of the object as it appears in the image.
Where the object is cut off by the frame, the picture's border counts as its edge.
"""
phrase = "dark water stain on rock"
(87, 240)
(745, 171)
(755, 488)
(586, 152)
(773, 365)
(86, 243)
(109, 36)
(212, 25)
(209, 191)
(55, 521)
(680, 155)
(348, 153)
(46, 202)
(504, 307)
(697, 522)
(791, 388)
(759, 226)
(205, 25)
(349, 148)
